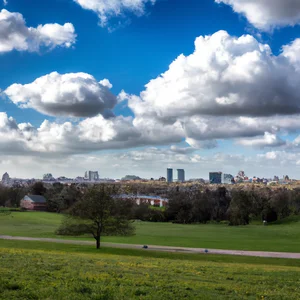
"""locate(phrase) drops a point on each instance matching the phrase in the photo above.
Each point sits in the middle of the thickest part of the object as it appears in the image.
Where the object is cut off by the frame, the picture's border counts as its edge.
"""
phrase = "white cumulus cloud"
(291, 52)
(70, 95)
(225, 75)
(230, 88)
(51, 138)
(107, 9)
(15, 35)
(267, 14)
(91, 134)
(268, 140)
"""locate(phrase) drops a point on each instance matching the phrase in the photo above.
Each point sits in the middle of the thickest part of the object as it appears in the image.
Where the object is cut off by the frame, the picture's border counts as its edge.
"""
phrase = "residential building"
(215, 177)
(34, 202)
(180, 175)
(169, 175)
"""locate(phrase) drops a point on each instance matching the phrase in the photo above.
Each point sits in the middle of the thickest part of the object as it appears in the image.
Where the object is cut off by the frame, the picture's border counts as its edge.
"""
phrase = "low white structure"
(151, 200)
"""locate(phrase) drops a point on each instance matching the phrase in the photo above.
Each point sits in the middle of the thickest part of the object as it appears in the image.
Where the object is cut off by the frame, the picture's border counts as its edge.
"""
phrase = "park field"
(281, 237)
(36, 270)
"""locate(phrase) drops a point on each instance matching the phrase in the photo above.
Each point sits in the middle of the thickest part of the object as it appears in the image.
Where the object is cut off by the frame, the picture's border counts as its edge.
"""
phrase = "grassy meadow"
(283, 236)
(36, 270)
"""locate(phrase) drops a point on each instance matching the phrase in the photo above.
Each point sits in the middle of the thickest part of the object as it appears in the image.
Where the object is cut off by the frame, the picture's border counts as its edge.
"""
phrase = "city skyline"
(139, 87)
(93, 176)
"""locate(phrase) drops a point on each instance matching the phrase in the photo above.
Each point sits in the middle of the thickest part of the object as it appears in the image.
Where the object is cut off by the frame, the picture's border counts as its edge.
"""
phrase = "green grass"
(35, 270)
(283, 237)
(33, 245)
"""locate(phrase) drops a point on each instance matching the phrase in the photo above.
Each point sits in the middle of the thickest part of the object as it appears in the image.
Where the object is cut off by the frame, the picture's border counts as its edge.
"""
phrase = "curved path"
(161, 248)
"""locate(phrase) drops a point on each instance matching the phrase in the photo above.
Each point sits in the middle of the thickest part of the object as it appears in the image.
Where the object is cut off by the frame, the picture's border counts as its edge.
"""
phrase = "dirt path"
(161, 248)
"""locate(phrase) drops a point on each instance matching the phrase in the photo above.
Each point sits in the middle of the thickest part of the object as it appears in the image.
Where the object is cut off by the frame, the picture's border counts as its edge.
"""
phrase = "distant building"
(215, 177)
(34, 202)
(48, 177)
(143, 199)
(169, 175)
(162, 179)
(79, 179)
(91, 175)
(131, 178)
(227, 179)
(241, 174)
(180, 175)
(5, 179)
(272, 183)
(199, 180)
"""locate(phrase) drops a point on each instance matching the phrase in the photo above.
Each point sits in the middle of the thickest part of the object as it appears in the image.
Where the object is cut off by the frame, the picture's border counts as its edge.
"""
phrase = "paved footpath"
(160, 248)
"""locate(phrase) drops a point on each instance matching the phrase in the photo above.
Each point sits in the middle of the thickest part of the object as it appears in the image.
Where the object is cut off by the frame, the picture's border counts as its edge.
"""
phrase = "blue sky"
(130, 51)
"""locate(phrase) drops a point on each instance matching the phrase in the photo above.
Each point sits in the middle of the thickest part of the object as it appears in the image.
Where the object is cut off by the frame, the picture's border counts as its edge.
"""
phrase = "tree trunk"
(98, 242)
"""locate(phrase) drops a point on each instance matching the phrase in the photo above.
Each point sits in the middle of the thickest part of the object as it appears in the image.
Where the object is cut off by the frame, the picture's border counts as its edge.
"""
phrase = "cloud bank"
(229, 88)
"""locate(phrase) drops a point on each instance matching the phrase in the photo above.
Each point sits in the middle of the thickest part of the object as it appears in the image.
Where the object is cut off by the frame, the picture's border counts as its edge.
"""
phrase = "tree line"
(95, 210)
(237, 205)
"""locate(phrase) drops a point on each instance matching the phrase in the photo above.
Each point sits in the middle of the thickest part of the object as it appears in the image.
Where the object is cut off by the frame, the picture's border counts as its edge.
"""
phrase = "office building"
(227, 179)
(220, 178)
(91, 175)
(169, 175)
(215, 177)
(180, 175)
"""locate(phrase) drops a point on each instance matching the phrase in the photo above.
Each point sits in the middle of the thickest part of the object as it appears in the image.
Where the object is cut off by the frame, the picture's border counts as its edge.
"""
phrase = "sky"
(137, 86)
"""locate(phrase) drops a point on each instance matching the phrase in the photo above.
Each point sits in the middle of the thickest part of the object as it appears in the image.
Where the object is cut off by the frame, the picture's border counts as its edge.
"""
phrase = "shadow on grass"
(286, 221)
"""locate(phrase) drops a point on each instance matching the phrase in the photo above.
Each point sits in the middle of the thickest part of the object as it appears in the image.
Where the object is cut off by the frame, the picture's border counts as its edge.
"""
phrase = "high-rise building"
(5, 179)
(227, 179)
(220, 178)
(169, 175)
(215, 177)
(180, 175)
(91, 175)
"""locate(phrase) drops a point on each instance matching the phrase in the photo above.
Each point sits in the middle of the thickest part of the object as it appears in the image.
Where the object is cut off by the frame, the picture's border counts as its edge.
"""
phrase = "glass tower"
(169, 175)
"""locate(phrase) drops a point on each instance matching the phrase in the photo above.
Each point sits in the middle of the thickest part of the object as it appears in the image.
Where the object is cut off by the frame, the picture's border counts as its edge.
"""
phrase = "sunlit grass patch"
(39, 273)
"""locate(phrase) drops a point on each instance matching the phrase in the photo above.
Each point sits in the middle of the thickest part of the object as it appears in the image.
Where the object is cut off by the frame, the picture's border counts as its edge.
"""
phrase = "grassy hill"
(283, 236)
(35, 270)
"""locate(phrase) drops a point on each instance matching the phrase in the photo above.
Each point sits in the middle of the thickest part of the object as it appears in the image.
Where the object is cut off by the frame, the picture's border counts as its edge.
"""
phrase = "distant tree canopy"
(60, 197)
(11, 196)
(238, 206)
(38, 188)
(188, 203)
(99, 213)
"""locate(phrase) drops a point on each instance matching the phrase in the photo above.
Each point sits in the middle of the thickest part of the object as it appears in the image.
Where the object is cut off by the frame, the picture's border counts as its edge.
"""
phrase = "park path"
(160, 248)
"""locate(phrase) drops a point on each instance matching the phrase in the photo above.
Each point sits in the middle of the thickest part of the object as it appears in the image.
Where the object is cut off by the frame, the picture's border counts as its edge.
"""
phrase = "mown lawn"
(283, 237)
(32, 270)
